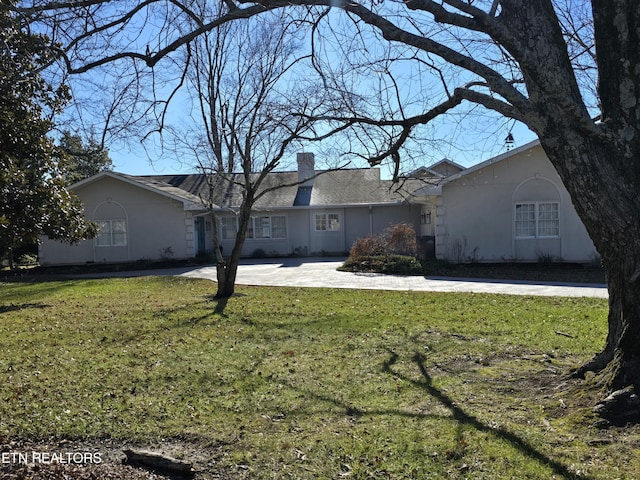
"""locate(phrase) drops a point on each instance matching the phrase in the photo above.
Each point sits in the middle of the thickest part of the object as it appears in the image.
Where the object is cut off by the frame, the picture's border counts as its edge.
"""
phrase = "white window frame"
(261, 227)
(228, 227)
(279, 230)
(112, 233)
(326, 224)
(538, 220)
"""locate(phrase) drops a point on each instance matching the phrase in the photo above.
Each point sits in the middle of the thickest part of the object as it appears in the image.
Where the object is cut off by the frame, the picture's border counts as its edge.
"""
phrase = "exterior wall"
(299, 225)
(156, 226)
(303, 239)
(358, 223)
(322, 242)
(261, 246)
(475, 214)
(363, 221)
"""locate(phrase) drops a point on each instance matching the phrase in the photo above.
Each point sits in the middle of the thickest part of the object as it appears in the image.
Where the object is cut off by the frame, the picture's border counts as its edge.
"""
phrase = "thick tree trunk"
(616, 287)
(599, 164)
(622, 349)
(605, 197)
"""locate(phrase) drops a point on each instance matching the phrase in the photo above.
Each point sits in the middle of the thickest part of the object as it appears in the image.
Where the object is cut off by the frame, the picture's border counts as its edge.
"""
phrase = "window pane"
(334, 222)
(526, 220)
(250, 230)
(111, 233)
(548, 220)
(263, 227)
(104, 233)
(278, 227)
(228, 229)
(321, 221)
(118, 233)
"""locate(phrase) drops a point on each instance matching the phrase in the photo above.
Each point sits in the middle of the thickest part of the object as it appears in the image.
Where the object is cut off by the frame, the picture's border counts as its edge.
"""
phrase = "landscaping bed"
(538, 272)
(534, 272)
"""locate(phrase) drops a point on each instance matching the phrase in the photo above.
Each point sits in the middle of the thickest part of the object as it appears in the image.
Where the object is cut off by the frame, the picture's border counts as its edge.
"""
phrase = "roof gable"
(441, 169)
(437, 189)
(494, 160)
(189, 200)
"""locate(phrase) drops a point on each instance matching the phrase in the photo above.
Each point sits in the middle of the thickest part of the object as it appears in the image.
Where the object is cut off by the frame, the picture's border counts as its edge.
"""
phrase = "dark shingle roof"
(331, 188)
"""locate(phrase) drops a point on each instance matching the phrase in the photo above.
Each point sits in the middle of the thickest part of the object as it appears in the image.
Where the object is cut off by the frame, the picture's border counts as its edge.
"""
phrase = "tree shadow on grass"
(457, 414)
(464, 418)
(14, 307)
(220, 304)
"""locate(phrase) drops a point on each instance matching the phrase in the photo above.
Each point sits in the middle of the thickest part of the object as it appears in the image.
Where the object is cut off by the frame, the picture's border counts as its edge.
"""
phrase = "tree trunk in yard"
(227, 270)
(623, 342)
(609, 206)
(598, 162)
(617, 25)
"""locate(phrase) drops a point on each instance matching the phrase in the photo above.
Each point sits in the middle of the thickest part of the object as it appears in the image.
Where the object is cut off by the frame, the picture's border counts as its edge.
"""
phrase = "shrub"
(401, 265)
(392, 252)
(400, 239)
(27, 259)
(387, 264)
(368, 246)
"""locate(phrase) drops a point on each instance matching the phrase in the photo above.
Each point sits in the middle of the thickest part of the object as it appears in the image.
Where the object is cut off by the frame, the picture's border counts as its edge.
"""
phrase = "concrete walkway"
(321, 272)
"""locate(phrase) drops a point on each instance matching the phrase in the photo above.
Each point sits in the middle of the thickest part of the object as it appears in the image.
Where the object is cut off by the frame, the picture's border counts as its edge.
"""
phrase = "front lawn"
(310, 383)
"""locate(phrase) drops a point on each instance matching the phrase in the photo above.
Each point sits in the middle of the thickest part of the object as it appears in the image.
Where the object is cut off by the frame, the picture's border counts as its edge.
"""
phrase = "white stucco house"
(510, 208)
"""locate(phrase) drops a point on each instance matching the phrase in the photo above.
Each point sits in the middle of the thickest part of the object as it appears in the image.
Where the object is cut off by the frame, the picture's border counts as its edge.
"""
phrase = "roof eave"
(187, 205)
(493, 160)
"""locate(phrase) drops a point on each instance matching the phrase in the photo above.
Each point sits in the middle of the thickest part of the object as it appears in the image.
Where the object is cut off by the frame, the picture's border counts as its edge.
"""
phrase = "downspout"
(370, 220)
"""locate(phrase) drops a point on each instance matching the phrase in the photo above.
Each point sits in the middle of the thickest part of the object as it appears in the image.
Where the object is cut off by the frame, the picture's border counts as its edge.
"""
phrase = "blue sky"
(467, 136)
(469, 147)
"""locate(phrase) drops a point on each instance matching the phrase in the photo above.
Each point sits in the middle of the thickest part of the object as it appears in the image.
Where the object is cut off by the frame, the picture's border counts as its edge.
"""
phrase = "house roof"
(189, 200)
(437, 189)
(331, 188)
(443, 168)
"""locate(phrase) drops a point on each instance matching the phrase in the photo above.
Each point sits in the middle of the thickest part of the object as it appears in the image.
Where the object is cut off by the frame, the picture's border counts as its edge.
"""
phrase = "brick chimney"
(306, 169)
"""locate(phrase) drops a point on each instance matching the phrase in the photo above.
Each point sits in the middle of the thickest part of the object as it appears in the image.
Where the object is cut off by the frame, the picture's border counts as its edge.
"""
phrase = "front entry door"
(201, 247)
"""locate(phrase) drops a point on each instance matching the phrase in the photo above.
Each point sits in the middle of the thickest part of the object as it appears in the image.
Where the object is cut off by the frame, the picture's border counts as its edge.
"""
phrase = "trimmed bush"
(387, 264)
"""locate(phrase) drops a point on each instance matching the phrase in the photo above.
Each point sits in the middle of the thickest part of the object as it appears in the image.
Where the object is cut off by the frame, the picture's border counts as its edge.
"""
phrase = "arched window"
(112, 225)
(536, 209)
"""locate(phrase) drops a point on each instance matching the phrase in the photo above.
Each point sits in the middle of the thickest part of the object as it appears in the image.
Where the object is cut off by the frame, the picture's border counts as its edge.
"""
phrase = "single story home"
(512, 207)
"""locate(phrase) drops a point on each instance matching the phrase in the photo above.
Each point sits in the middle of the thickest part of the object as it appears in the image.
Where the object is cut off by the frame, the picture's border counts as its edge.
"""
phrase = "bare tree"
(535, 62)
(532, 61)
(249, 102)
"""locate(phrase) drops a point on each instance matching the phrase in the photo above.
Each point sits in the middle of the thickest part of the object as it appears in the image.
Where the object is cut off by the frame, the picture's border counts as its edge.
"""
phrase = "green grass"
(311, 383)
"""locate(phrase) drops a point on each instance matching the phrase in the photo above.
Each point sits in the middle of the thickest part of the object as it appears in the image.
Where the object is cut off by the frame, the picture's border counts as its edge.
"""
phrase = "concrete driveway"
(321, 272)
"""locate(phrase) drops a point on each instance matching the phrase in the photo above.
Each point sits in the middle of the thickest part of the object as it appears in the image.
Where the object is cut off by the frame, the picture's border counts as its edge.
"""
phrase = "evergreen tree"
(82, 159)
(33, 198)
